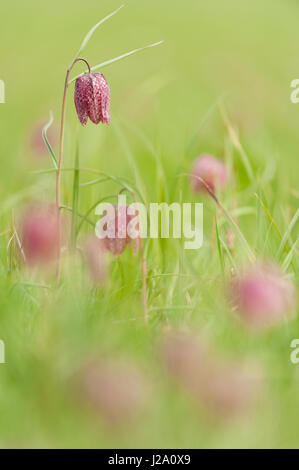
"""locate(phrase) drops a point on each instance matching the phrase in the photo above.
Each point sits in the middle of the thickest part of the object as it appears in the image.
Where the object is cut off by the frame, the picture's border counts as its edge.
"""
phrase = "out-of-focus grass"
(164, 112)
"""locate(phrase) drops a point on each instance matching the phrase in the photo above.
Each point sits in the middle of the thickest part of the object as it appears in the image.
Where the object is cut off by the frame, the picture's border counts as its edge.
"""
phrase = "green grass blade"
(116, 59)
(237, 144)
(289, 257)
(160, 170)
(85, 216)
(45, 138)
(285, 238)
(251, 254)
(273, 223)
(219, 248)
(131, 161)
(96, 181)
(70, 209)
(227, 251)
(269, 216)
(93, 29)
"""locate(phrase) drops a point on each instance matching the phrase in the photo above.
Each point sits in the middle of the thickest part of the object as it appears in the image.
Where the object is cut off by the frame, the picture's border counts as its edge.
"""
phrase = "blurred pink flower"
(211, 170)
(39, 235)
(92, 98)
(114, 388)
(117, 231)
(231, 388)
(262, 295)
(96, 260)
(183, 354)
(223, 388)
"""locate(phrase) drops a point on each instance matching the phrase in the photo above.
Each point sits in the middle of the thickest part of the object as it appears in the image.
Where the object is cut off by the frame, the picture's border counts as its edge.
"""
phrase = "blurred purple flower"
(223, 388)
(262, 295)
(92, 98)
(114, 388)
(117, 231)
(39, 234)
(211, 170)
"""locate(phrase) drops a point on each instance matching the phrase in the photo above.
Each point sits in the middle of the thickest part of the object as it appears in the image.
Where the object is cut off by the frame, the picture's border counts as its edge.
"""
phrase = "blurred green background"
(165, 108)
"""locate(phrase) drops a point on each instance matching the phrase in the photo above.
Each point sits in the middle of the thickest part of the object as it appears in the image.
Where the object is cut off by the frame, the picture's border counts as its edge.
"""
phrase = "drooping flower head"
(92, 98)
(211, 170)
(262, 295)
(118, 230)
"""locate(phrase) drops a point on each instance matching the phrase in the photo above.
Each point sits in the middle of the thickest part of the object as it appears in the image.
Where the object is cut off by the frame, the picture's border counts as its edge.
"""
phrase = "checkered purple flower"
(92, 98)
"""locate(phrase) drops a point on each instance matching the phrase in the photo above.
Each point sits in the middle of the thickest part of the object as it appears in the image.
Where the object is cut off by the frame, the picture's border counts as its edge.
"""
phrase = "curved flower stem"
(251, 254)
(60, 161)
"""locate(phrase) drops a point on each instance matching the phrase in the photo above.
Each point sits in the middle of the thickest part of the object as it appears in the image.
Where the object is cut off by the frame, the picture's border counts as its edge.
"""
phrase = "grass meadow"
(219, 84)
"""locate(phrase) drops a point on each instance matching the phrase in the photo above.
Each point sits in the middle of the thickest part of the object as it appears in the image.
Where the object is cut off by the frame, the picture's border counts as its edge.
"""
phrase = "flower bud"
(211, 170)
(92, 98)
(262, 295)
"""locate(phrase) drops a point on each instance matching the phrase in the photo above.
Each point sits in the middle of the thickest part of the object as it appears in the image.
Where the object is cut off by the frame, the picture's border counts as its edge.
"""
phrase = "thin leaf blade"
(93, 29)
(45, 138)
(285, 238)
(116, 59)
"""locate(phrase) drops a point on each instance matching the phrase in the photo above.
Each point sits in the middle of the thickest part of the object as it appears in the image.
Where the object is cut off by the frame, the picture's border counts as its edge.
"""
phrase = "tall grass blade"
(116, 59)
(219, 247)
(45, 138)
(273, 223)
(289, 257)
(237, 144)
(285, 238)
(85, 216)
(93, 29)
(131, 161)
(227, 251)
(251, 254)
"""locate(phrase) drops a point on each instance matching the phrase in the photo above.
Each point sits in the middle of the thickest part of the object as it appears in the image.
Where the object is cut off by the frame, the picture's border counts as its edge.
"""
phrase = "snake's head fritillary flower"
(263, 295)
(118, 236)
(39, 235)
(92, 98)
(212, 170)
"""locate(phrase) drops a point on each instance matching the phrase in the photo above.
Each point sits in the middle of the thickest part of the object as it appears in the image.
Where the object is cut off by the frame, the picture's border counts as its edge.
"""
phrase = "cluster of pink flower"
(119, 392)
(262, 294)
